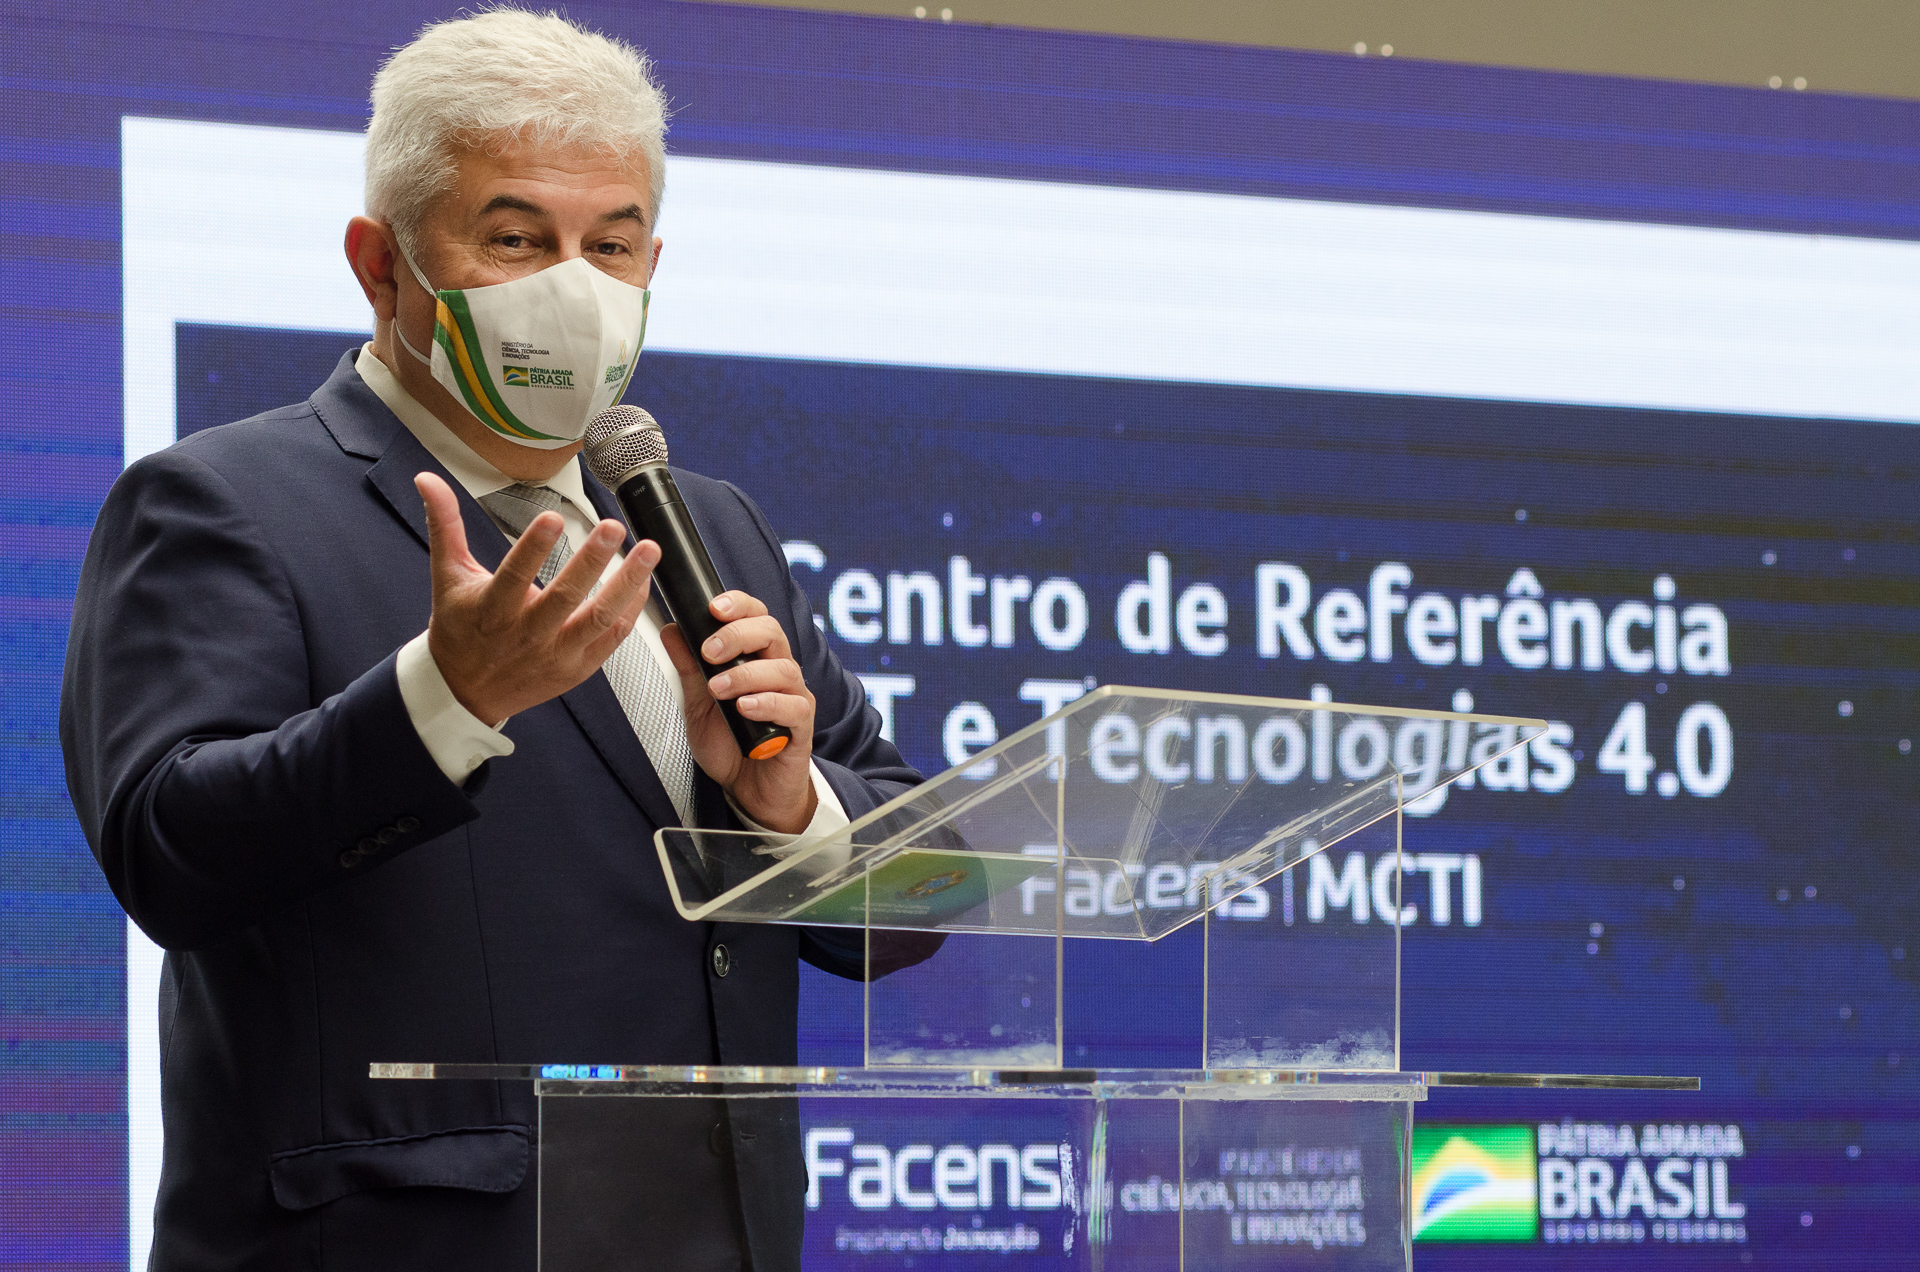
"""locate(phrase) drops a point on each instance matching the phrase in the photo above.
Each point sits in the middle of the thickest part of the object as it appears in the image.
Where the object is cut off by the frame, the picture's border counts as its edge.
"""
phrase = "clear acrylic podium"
(1279, 1126)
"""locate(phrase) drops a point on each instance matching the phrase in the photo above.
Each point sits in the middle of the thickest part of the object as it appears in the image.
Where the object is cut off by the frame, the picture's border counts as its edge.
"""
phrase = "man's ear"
(372, 255)
(654, 264)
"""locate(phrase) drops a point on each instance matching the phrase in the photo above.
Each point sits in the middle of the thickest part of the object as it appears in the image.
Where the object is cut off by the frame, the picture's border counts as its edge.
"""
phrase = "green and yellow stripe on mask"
(453, 331)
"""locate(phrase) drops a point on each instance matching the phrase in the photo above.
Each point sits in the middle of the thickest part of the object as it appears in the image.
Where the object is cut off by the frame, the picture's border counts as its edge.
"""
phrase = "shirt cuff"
(828, 814)
(458, 741)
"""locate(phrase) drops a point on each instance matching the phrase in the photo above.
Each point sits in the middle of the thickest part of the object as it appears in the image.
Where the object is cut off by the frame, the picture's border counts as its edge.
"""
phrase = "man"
(368, 723)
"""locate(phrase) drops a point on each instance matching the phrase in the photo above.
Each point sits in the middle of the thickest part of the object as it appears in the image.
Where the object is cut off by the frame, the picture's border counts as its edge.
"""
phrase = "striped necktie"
(645, 693)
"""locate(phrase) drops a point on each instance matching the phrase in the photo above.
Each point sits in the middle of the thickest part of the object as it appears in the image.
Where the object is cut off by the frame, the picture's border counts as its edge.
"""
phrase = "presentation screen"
(1058, 362)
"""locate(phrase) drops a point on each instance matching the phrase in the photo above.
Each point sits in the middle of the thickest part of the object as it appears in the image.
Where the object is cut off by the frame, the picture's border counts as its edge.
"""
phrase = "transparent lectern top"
(1127, 814)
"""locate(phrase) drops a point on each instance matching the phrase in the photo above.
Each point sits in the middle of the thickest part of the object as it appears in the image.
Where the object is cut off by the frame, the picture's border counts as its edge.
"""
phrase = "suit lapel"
(392, 476)
(362, 425)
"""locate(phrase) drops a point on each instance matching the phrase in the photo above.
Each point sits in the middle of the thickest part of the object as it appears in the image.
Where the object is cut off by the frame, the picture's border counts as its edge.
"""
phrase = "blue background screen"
(1742, 911)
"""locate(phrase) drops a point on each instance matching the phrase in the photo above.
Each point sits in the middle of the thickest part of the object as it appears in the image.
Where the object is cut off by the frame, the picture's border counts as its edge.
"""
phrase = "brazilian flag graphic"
(516, 375)
(1474, 1183)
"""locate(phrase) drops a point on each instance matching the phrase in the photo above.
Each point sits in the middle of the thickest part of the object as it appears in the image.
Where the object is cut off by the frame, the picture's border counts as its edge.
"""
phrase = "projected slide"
(1702, 596)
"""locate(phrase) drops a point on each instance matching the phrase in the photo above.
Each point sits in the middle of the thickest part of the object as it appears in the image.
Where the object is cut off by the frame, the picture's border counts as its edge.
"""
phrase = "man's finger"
(731, 605)
(506, 594)
(761, 635)
(446, 532)
(616, 606)
(765, 675)
(789, 709)
(626, 591)
(566, 591)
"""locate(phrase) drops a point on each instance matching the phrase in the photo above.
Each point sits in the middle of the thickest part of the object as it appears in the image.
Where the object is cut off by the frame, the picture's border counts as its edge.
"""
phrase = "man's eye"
(610, 249)
(513, 242)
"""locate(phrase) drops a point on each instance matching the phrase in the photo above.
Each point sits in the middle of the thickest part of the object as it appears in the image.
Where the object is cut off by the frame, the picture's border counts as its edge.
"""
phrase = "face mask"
(536, 358)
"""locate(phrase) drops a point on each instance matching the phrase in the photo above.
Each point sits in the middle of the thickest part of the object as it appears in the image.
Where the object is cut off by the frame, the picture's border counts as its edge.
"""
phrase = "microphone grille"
(621, 439)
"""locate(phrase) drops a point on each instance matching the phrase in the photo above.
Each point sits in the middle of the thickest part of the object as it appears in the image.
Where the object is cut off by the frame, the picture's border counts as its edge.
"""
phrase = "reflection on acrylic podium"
(1280, 1135)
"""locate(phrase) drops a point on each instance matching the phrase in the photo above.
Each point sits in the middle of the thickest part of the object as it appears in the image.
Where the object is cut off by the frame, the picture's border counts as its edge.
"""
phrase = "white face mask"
(536, 358)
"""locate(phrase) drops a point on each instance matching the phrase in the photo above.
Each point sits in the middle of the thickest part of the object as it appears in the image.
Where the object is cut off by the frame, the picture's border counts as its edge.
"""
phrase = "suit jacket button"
(350, 858)
(387, 835)
(722, 961)
(717, 1139)
(407, 825)
(368, 846)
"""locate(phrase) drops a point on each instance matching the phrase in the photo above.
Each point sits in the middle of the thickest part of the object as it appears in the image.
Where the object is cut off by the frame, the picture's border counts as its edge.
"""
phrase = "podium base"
(1155, 1170)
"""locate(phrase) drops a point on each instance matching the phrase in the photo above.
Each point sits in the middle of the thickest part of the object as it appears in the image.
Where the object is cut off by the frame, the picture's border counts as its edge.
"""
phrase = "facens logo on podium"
(1578, 1183)
(925, 1177)
(921, 1198)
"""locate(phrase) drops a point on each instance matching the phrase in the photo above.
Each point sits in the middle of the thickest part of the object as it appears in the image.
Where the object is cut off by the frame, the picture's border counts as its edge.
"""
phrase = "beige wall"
(1839, 46)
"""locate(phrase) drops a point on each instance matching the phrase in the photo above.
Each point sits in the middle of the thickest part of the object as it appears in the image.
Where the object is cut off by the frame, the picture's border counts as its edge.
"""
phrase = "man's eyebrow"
(514, 203)
(511, 203)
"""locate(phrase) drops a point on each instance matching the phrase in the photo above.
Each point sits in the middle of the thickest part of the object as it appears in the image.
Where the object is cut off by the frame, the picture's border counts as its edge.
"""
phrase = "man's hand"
(778, 792)
(502, 643)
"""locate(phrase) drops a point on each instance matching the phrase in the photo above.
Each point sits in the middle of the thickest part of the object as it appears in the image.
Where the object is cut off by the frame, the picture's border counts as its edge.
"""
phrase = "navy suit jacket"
(235, 737)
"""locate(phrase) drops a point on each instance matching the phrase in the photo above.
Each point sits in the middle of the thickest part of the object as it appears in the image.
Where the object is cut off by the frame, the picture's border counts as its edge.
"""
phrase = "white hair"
(505, 74)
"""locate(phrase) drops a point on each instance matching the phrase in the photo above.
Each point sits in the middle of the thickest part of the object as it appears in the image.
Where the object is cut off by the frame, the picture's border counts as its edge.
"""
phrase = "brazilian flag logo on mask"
(516, 376)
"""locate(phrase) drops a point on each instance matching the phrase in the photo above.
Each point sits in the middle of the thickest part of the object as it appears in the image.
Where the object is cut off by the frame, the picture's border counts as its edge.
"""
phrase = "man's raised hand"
(502, 643)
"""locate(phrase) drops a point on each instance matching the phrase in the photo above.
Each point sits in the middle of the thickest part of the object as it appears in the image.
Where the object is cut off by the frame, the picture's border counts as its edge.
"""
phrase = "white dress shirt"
(459, 741)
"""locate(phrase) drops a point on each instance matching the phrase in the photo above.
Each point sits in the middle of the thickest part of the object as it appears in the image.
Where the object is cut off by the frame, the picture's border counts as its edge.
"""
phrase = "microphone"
(628, 453)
